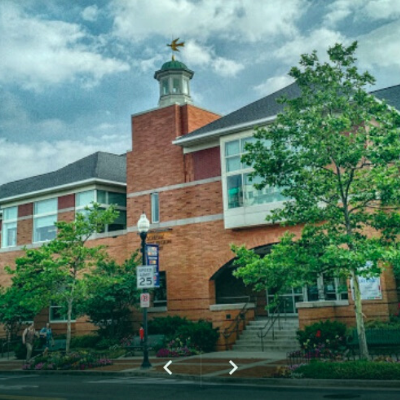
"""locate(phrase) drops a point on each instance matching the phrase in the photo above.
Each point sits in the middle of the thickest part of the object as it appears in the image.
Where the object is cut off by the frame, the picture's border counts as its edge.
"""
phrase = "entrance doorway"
(288, 300)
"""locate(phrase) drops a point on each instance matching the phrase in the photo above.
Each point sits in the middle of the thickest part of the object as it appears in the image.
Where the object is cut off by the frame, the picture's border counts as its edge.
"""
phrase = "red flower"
(318, 334)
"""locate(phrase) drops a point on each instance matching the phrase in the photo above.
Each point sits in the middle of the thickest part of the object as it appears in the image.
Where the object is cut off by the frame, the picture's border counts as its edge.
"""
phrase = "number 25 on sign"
(145, 277)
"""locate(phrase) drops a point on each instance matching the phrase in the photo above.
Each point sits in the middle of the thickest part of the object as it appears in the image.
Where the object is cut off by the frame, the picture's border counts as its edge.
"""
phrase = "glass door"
(288, 300)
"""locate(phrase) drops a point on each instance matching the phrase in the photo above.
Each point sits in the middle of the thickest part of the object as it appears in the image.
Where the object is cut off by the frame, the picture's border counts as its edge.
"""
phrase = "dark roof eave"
(188, 141)
(59, 188)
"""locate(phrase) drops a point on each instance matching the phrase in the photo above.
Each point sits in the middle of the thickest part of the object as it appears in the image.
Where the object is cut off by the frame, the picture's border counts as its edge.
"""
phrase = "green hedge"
(351, 370)
(167, 326)
(200, 334)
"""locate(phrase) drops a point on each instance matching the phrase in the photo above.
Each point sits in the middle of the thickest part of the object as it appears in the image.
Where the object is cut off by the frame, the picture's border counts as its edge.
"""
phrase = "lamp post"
(143, 227)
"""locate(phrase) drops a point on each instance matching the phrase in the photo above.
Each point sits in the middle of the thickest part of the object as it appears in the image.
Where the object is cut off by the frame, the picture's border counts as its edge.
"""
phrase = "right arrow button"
(235, 367)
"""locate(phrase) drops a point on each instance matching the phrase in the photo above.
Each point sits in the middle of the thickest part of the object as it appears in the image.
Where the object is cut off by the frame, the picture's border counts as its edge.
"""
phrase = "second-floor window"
(44, 218)
(240, 187)
(9, 231)
(105, 199)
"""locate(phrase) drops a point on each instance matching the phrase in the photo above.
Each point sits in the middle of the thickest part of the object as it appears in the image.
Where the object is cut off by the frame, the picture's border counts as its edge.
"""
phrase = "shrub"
(201, 334)
(104, 344)
(350, 370)
(324, 334)
(85, 341)
(167, 326)
(19, 350)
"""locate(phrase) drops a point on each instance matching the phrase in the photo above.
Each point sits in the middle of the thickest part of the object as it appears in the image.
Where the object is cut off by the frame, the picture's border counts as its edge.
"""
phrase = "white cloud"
(361, 10)
(36, 52)
(30, 159)
(90, 13)
(236, 20)
(204, 56)
(320, 40)
(271, 85)
(378, 52)
(382, 9)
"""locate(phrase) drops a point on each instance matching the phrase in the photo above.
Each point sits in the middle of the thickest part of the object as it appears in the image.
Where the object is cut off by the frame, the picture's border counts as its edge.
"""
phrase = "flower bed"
(71, 361)
(178, 348)
(379, 370)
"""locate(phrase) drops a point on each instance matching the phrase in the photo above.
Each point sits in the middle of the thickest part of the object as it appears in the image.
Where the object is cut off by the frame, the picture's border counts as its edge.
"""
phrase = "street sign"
(145, 277)
(145, 300)
(152, 258)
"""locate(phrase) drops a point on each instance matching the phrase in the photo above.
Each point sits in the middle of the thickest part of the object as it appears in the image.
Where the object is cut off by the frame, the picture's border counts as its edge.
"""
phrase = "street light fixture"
(143, 226)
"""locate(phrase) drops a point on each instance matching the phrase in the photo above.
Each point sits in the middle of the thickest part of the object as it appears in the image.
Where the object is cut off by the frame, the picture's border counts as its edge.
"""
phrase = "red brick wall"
(189, 202)
(24, 231)
(154, 161)
(66, 201)
(25, 210)
(194, 118)
(207, 163)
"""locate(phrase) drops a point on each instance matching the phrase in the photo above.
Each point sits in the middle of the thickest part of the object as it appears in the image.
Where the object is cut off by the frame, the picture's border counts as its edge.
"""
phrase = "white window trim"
(245, 215)
(153, 196)
(38, 216)
(9, 221)
(102, 205)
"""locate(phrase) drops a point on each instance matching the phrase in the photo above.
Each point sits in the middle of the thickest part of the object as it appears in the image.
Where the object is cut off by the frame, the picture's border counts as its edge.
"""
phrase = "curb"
(266, 382)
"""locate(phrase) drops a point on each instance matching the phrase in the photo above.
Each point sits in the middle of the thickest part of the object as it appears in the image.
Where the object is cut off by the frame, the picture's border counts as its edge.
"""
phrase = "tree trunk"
(362, 339)
(69, 315)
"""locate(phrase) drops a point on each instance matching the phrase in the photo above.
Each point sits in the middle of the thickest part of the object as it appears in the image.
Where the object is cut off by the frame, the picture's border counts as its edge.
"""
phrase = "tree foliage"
(111, 294)
(52, 274)
(335, 153)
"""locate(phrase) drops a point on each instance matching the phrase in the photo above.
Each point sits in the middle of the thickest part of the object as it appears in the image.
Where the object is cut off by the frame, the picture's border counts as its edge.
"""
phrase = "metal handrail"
(7, 343)
(234, 326)
(270, 325)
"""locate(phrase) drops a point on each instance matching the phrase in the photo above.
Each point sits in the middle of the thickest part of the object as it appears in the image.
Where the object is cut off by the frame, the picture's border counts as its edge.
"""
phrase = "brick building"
(184, 172)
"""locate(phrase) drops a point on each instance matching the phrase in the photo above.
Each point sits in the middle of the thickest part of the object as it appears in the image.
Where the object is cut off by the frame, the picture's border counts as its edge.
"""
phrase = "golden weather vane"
(174, 46)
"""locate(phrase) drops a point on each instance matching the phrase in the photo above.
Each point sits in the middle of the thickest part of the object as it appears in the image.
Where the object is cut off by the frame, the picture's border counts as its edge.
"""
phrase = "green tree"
(54, 273)
(334, 151)
(111, 294)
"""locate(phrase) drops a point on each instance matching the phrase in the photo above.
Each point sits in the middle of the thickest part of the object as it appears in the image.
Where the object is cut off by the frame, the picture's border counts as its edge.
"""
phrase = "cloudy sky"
(73, 71)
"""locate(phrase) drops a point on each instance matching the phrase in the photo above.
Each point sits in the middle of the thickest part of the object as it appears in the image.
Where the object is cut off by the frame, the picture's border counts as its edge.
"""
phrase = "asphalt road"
(61, 387)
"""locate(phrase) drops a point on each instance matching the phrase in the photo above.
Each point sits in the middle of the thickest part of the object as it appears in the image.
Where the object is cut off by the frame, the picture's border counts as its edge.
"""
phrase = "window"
(56, 314)
(44, 218)
(160, 293)
(240, 186)
(9, 231)
(155, 208)
(176, 86)
(164, 86)
(104, 198)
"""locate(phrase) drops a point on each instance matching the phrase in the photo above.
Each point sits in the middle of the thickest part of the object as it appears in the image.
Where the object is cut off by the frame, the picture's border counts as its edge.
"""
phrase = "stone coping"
(322, 303)
(237, 306)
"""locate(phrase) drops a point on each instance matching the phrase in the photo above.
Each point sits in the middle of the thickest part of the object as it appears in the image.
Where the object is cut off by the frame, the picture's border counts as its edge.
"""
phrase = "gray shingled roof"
(100, 165)
(390, 94)
(268, 107)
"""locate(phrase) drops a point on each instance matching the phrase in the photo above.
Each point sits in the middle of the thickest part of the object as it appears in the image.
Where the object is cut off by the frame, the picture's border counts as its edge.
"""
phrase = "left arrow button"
(167, 365)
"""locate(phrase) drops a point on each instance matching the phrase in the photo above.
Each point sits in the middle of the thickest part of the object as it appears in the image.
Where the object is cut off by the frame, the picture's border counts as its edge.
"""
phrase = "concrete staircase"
(285, 338)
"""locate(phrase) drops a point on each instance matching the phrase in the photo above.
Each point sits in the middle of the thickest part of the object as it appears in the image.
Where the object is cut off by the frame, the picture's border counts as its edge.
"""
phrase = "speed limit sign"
(145, 277)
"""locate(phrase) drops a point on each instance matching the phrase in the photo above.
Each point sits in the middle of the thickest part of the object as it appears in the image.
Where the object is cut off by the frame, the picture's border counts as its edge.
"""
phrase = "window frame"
(102, 205)
(37, 216)
(10, 221)
(155, 207)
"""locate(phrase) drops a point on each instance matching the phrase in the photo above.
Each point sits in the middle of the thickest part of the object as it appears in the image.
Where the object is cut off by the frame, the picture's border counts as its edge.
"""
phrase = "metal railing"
(5, 343)
(234, 327)
(270, 325)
